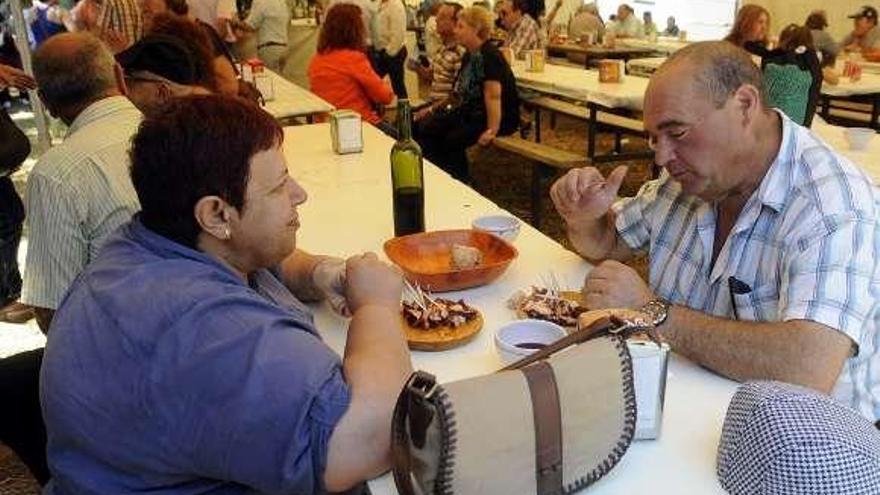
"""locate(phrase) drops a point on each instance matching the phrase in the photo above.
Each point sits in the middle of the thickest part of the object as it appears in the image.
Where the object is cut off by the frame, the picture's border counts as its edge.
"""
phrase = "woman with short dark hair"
(340, 71)
(183, 359)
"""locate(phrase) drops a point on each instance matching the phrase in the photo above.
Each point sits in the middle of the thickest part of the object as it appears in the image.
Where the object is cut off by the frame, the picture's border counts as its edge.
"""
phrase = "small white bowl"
(525, 332)
(503, 226)
(858, 137)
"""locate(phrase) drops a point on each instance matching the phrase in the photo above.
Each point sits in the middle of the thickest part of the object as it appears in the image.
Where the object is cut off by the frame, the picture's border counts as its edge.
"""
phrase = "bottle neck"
(404, 119)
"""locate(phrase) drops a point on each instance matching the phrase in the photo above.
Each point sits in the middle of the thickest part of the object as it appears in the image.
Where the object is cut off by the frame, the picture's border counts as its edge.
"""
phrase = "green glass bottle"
(407, 180)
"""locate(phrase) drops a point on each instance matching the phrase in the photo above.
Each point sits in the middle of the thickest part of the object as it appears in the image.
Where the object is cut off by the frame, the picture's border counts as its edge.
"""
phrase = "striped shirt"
(445, 66)
(806, 243)
(123, 17)
(77, 193)
(526, 35)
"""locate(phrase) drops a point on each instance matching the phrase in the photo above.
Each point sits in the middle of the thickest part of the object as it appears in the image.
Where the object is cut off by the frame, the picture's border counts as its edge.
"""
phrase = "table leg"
(591, 132)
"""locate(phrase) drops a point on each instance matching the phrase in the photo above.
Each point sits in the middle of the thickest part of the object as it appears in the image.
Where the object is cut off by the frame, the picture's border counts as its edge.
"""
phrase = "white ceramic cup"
(505, 227)
(858, 138)
(510, 338)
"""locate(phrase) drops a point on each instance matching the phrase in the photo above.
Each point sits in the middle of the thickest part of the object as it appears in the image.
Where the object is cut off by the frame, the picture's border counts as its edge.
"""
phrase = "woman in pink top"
(341, 73)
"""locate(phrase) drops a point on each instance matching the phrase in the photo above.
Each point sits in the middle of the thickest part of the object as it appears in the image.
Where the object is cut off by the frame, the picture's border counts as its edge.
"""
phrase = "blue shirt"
(805, 246)
(165, 373)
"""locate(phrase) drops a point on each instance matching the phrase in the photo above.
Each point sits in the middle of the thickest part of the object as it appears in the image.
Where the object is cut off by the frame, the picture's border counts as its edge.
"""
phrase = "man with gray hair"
(763, 242)
(80, 190)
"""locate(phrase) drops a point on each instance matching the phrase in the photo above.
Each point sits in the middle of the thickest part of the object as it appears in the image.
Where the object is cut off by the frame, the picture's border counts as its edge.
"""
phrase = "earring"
(226, 233)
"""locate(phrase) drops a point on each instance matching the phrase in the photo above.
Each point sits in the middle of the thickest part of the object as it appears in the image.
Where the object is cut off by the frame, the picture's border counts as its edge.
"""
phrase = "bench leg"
(618, 145)
(537, 122)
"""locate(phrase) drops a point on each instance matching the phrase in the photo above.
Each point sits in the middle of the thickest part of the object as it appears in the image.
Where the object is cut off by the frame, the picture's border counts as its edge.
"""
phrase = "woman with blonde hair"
(484, 102)
(750, 30)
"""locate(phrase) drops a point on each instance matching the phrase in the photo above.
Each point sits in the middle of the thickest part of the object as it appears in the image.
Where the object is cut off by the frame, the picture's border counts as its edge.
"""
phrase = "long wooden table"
(349, 210)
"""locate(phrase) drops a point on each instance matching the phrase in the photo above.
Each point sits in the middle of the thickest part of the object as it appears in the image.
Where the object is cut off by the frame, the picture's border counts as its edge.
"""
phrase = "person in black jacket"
(796, 48)
(14, 149)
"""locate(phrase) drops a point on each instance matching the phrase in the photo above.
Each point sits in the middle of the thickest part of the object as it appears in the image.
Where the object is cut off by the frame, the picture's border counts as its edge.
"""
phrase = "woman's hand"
(10, 76)
(486, 137)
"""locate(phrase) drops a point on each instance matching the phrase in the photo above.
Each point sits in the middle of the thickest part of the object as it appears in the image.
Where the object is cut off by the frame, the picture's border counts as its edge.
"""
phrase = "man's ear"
(52, 111)
(747, 99)
(212, 215)
(119, 75)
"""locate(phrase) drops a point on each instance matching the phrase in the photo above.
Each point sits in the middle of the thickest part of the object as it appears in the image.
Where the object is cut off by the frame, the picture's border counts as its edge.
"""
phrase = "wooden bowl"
(426, 258)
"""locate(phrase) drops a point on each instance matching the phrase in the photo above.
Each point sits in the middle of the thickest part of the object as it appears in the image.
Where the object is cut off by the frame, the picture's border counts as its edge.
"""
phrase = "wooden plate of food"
(437, 324)
(449, 260)
(557, 306)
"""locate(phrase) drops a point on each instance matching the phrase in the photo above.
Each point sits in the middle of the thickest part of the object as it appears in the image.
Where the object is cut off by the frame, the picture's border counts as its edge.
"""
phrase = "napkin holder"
(649, 376)
(346, 132)
(611, 71)
(535, 60)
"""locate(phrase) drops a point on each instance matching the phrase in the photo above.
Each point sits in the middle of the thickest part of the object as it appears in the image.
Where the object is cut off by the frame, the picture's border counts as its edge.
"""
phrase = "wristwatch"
(657, 310)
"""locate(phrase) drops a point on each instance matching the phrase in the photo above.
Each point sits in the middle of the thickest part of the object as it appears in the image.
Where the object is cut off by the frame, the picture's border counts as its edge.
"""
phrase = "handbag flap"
(496, 431)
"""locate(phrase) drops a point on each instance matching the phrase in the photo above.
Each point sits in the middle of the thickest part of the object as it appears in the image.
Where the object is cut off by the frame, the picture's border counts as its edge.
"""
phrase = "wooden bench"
(617, 124)
(861, 110)
(547, 160)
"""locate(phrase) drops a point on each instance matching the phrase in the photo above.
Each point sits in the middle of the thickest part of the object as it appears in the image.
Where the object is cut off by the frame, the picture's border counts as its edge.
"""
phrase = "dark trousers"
(21, 421)
(11, 220)
(445, 138)
(392, 66)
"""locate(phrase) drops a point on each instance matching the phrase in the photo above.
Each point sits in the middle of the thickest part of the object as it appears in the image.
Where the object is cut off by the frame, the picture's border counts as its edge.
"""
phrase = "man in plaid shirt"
(764, 243)
(523, 32)
(118, 23)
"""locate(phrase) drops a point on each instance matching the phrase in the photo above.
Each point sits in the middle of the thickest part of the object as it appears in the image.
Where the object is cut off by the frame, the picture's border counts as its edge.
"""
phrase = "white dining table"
(349, 210)
(291, 100)
(644, 67)
(583, 85)
(663, 44)
(868, 158)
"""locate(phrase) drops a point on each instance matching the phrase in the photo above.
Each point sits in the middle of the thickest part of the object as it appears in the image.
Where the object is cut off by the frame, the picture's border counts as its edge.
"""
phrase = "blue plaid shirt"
(806, 244)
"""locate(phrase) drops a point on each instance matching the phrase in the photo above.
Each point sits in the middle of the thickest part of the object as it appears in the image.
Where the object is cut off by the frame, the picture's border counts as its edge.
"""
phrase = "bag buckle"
(422, 384)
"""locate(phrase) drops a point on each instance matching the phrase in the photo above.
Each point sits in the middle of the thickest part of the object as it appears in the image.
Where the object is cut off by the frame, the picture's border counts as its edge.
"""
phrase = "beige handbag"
(552, 423)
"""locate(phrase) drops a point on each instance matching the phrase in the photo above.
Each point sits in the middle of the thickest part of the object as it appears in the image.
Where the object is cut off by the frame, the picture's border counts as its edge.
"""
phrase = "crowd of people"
(162, 245)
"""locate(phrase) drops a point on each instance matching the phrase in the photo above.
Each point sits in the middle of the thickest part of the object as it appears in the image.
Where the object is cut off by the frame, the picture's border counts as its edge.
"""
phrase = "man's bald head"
(715, 68)
(73, 70)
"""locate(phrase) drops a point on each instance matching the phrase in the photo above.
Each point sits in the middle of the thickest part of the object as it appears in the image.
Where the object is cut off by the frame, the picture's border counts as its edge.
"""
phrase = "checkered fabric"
(784, 439)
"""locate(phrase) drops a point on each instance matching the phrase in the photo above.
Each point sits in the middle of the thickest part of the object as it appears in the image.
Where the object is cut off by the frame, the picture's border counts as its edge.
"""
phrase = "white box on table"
(649, 377)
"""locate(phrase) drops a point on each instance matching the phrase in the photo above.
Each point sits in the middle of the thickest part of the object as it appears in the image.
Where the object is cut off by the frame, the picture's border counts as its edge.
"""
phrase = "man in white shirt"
(216, 13)
(390, 44)
(80, 190)
(627, 25)
(562, 13)
(269, 19)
